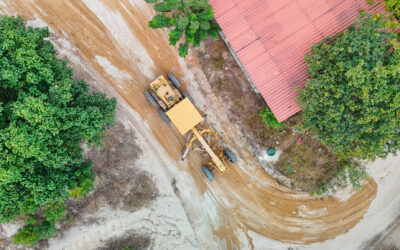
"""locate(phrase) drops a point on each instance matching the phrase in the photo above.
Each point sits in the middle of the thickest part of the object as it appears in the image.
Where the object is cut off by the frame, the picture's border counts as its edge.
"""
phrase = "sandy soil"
(245, 208)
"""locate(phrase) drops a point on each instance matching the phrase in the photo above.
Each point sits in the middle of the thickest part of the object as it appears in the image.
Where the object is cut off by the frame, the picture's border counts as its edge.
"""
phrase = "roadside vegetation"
(192, 21)
(45, 116)
(269, 119)
(350, 106)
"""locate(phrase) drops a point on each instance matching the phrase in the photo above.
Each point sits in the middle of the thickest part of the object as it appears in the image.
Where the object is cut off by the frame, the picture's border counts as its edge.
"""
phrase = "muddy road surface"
(245, 208)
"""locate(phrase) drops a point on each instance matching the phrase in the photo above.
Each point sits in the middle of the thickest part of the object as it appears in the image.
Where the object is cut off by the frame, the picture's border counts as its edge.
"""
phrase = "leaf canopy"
(192, 19)
(44, 118)
(352, 99)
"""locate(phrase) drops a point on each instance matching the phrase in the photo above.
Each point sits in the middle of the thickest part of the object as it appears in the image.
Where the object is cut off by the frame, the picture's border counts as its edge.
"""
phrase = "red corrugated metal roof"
(271, 38)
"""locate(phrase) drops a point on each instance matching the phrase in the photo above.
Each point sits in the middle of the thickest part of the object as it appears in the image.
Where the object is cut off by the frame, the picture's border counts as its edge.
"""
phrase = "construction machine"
(178, 107)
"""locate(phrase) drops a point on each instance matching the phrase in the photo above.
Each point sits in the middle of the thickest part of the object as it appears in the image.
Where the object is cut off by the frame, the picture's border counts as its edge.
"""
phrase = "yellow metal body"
(217, 162)
(202, 132)
(165, 92)
(184, 116)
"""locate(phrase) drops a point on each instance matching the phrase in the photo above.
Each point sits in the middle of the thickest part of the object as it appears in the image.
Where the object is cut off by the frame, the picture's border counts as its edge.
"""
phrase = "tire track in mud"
(113, 37)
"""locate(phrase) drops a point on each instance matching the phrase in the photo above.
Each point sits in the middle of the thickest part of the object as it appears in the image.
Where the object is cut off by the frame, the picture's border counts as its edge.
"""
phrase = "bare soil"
(119, 184)
(307, 164)
(229, 82)
(245, 208)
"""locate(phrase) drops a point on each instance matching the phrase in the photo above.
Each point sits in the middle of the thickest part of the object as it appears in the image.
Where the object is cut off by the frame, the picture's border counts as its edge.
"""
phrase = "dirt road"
(245, 208)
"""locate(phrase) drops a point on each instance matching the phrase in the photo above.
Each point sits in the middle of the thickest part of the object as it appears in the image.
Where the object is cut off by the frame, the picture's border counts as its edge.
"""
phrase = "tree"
(352, 100)
(191, 18)
(44, 118)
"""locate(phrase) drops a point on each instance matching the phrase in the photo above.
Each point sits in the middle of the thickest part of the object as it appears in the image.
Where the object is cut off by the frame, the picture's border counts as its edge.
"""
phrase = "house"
(271, 37)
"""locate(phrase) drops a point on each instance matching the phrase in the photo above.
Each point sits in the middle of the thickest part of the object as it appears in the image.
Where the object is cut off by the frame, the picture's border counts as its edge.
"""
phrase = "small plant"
(218, 63)
(269, 118)
(192, 18)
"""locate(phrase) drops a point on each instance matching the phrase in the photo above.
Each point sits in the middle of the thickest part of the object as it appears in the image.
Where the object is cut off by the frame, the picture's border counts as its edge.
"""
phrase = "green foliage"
(84, 181)
(352, 100)
(269, 118)
(44, 118)
(37, 228)
(191, 18)
(353, 173)
(54, 211)
(33, 231)
(392, 6)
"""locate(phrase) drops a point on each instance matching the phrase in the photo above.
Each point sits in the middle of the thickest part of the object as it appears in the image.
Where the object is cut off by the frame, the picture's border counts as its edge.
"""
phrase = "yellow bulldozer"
(178, 107)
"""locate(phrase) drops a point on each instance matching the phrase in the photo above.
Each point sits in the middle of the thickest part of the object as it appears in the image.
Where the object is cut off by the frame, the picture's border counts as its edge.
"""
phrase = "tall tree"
(44, 118)
(392, 6)
(352, 99)
(191, 18)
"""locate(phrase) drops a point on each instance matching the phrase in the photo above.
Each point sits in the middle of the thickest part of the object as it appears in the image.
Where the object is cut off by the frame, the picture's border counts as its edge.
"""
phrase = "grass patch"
(307, 163)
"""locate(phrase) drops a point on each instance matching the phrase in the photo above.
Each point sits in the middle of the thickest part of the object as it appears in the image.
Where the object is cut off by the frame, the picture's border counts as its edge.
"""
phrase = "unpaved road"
(245, 208)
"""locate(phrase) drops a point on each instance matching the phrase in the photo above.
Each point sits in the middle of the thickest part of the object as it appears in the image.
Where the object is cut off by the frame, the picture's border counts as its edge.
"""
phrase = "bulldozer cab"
(165, 91)
(184, 116)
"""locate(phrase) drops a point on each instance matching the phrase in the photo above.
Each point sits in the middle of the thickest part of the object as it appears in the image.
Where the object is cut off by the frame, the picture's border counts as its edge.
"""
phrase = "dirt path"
(240, 208)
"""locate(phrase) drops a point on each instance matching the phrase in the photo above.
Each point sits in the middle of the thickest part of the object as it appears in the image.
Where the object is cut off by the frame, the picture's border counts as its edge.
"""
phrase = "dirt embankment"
(240, 208)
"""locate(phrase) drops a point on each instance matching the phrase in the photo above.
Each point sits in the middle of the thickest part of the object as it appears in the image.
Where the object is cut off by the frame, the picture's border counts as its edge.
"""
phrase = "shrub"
(350, 173)
(37, 228)
(269, 118)
(33, 231)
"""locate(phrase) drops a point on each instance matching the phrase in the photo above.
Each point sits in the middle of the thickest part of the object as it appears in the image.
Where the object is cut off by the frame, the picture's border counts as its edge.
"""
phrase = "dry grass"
(386, 247)
(311, 163)
(119, 184)
(230, 83)
(129, 241)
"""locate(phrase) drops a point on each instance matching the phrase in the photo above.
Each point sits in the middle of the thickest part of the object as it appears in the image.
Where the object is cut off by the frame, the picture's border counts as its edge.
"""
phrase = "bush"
(269, 118)
(37, 228)
(350, 173)
(33, 231)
